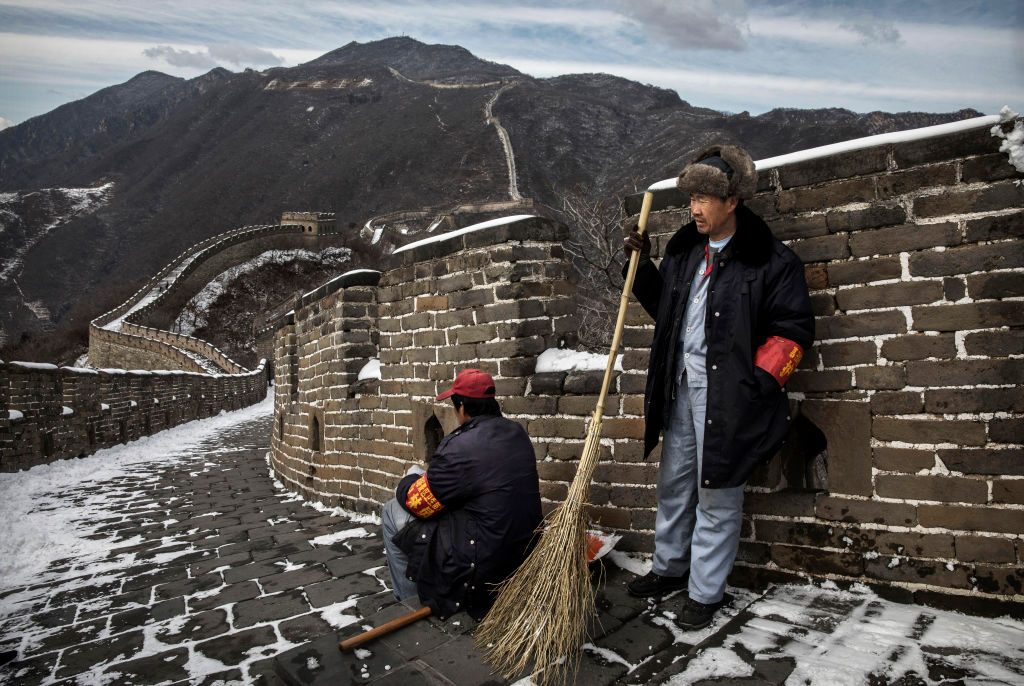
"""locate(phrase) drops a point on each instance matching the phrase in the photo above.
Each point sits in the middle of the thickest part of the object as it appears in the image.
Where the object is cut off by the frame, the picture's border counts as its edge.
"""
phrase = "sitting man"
(456, 531)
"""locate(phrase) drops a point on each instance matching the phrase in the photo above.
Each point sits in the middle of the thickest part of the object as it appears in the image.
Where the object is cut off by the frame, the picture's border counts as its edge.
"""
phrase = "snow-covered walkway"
(173, 559)
(177, 559)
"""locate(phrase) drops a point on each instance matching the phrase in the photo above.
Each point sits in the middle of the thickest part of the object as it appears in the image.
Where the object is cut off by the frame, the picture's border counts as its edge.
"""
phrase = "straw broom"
(540, 616)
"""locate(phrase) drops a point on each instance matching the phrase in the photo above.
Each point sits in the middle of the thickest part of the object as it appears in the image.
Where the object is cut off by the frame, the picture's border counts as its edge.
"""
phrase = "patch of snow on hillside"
(79, 200)
(193, 315)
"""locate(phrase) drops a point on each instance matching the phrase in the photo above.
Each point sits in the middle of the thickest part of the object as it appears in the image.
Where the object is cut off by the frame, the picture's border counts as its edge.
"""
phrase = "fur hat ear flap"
(721, 171)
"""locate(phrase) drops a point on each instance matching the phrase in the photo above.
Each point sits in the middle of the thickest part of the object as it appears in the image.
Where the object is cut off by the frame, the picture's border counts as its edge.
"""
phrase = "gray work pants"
(697, 529)
(394, 518)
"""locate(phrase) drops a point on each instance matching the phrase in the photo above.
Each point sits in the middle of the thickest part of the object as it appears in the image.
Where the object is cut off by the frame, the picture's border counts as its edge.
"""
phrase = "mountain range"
(361, 131)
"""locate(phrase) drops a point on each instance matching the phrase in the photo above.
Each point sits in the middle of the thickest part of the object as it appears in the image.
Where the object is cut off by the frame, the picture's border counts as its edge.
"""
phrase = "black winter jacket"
(757, 290)
(484, 474)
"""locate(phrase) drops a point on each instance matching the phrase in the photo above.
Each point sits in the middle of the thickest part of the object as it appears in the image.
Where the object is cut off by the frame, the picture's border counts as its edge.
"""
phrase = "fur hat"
(721, 171)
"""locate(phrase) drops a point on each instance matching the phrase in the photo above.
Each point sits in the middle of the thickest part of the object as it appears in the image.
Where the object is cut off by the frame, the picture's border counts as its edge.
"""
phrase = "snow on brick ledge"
(500, 221)
(860, 144)
(555, 360)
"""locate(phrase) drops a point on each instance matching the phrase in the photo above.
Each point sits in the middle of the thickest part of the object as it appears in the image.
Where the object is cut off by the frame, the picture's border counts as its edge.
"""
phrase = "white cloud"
(760, 92)
(213, 56)
(5, 123)
(916, 37)
(692, 24)
(180, 58)
(243, 54)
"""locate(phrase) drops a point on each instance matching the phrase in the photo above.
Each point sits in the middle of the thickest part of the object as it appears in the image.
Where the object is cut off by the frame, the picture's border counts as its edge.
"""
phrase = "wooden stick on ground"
(539, 619)
(386, 628)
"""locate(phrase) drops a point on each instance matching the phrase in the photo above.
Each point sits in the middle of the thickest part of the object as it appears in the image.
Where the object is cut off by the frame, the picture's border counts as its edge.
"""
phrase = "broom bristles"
(538, 620)
(539, 617)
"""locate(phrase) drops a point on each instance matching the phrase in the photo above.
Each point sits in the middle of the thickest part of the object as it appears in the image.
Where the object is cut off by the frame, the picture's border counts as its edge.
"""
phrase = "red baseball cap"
(471, 383)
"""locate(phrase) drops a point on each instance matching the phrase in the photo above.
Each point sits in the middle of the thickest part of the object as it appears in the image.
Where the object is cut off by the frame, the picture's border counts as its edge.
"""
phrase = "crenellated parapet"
(49, 413)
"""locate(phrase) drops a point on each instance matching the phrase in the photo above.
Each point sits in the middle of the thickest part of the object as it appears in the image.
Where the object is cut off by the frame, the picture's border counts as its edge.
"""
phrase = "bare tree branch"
(595, 250)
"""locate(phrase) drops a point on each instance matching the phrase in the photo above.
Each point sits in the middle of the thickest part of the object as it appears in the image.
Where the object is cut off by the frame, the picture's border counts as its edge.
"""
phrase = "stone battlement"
(905, 465)
(49, 413)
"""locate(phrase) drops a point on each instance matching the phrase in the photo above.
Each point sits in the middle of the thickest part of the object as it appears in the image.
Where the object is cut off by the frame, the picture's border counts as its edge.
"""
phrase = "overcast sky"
(731, 55)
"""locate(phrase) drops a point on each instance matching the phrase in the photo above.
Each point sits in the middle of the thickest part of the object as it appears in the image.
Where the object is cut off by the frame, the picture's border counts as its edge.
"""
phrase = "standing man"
(732, 320)
(456, 531)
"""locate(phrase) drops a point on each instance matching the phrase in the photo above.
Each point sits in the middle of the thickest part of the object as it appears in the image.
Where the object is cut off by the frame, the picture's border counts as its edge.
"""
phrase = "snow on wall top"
(859, 144)
(500, 221)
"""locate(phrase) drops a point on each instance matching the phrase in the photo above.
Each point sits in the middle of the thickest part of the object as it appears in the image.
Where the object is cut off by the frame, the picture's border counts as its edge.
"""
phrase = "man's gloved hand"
(636, 241)
(415, 469)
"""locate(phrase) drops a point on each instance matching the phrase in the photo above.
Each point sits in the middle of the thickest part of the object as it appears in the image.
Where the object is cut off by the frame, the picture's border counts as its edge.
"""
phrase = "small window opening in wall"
(805, 463)
(122, 431)
(167, 418)
(802, 463)
(314, 435)
(47, 444)
(280, 426)
(90, 434)
(293, 374)
(433, 433)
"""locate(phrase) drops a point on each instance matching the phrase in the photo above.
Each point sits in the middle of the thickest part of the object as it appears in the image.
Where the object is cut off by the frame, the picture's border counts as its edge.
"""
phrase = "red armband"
(779, 357)
(421, 501)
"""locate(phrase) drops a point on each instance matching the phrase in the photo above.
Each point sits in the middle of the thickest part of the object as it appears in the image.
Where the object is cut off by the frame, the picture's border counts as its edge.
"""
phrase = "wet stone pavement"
(211, 574)
(211, 571)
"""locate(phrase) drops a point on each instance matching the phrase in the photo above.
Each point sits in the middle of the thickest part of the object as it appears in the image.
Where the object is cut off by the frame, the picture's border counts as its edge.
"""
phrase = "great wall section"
(143, 378)
(906, 469)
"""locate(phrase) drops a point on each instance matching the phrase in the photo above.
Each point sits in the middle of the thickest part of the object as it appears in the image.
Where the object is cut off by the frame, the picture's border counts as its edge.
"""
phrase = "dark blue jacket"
(484, 475)
(757, 290)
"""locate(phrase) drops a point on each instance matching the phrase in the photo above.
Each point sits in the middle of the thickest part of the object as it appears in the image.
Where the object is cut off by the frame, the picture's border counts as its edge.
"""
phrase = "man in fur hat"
(732, 320)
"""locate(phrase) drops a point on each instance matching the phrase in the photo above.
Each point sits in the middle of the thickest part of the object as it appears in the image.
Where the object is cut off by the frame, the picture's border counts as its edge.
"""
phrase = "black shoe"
(697, 615)
(655, 584)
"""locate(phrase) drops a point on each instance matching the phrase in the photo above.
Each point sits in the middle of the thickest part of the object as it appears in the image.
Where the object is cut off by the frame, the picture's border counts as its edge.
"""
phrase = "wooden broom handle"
(383, 629)
(634, 261)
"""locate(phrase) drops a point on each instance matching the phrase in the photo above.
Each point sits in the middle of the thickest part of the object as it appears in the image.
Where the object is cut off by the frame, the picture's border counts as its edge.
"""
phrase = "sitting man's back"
(453, 533)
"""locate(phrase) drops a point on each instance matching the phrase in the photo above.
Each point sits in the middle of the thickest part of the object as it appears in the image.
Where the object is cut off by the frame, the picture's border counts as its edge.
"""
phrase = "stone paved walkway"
(210, 574)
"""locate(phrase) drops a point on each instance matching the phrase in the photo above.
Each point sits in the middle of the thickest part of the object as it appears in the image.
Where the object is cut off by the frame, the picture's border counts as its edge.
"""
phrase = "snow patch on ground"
(632, 562)
(41, 525)
(712, 663)
(338, 536)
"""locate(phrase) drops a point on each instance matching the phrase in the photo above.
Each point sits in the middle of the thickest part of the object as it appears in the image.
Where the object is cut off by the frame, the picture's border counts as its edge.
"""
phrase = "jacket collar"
(751, 244)
(474, 421)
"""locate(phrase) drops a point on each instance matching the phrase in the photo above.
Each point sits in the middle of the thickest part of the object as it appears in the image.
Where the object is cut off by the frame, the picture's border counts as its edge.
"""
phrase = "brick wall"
(915, 264)
(905, 468)
(69, 412)
(493, 299)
